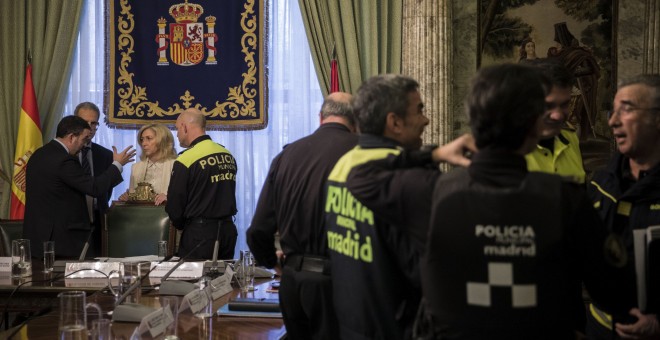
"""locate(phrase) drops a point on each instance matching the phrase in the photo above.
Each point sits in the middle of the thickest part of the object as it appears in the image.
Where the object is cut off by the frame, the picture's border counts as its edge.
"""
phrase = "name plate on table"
(195, 300)
(221, 285)
(75, 270)
(186, 270)
(156, 322)
(5, 264)
(87, 283)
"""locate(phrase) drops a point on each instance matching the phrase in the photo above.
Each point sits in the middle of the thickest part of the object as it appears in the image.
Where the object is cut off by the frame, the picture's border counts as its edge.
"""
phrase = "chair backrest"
(9, 230)
(135, 229)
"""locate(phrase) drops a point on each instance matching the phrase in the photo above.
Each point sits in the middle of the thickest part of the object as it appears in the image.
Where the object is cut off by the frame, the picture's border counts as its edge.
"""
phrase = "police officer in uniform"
(377, 205)
(201, 197)
(558, 151)
(627, 197)
(292, 202)
(507, 247)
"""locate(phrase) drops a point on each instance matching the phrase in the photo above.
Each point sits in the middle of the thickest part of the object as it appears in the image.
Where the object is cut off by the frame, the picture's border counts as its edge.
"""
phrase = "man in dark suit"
(95, 159)
(56, 186)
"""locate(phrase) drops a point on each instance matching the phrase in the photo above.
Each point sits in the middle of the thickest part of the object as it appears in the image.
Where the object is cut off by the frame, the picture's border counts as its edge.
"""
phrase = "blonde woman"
(156, 159)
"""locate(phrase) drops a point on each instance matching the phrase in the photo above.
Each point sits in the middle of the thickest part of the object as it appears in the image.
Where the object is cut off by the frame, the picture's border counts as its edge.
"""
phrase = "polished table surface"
(189, 326)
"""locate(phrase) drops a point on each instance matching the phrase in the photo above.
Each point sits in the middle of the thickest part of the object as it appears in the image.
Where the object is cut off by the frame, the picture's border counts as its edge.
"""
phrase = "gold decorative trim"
(133, 99)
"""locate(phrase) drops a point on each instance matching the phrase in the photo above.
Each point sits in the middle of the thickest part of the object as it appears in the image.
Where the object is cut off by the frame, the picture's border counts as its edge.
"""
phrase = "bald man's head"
(338, 108)
(190, 125)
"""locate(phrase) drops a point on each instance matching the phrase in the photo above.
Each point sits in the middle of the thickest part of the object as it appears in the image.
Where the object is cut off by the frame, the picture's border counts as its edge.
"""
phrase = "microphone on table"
(83, 253)
(213, 272)
(60, 265)
(177, 287)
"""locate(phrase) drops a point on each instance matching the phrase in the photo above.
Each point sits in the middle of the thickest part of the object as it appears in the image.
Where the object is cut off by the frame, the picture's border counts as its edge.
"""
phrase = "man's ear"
(69, 138)
(393, 123)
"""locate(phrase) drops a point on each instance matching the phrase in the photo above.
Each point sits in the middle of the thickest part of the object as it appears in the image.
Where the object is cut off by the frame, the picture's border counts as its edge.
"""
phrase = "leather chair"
(9, 230)
(134, 229)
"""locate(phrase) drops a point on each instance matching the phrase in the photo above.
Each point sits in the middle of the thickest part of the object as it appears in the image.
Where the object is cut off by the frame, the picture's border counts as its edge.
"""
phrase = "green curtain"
(366, 35)
(48, 28)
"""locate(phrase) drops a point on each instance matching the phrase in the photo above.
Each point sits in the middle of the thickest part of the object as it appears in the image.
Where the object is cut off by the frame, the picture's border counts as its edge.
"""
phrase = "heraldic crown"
(186, 12)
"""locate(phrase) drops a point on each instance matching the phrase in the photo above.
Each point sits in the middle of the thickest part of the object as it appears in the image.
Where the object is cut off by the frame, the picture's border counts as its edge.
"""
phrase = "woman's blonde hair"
(164, 141)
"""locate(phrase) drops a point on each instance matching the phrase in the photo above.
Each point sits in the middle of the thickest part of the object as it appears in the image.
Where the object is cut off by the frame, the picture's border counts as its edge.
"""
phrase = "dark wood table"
(189, 326)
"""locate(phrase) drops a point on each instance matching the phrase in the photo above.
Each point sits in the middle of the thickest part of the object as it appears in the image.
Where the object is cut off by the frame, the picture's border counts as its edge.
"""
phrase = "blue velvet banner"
(165, 56)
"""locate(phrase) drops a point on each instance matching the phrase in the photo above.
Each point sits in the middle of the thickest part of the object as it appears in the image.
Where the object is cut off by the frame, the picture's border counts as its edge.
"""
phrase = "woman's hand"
(160, 199)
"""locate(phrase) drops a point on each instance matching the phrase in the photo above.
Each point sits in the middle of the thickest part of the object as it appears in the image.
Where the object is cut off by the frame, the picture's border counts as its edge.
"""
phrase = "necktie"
(85, 161)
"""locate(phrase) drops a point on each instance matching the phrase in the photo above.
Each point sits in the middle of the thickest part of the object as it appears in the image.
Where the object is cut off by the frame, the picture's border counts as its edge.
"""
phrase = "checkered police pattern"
(500, 274)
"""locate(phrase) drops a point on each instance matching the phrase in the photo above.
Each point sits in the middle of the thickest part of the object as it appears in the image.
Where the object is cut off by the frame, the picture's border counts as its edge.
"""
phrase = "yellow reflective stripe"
(623, 208)
(202, 149)
(600, 316)
(355, 157)
(602, 191)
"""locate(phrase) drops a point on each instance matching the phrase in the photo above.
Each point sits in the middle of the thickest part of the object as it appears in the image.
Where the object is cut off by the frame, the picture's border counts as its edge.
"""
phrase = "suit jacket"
(101, 159)
(55, 207)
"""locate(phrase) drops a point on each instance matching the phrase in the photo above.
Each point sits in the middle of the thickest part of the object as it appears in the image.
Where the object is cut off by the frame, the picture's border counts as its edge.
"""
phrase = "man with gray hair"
(94, 159)
(377, 210)
(201, 197)
(627, 196)
(292, 202)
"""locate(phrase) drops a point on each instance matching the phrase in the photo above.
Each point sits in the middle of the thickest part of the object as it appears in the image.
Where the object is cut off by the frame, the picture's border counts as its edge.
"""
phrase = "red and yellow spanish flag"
(29, 139)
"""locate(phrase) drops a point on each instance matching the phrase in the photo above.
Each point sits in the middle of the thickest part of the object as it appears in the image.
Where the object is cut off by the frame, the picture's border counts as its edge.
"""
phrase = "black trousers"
(204, 234)
(307, 306)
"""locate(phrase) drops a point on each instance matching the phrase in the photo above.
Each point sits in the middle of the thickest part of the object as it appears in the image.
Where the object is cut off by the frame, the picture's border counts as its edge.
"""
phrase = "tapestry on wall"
(576, 34)
(165, 56)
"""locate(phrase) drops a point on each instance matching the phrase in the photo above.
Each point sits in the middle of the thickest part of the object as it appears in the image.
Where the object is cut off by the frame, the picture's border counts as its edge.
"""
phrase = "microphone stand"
(83, 253)
(86, 246)
(213, 272)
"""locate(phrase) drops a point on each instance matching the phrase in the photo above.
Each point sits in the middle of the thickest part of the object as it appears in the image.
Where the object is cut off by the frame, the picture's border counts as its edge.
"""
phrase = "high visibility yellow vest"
(566, 160)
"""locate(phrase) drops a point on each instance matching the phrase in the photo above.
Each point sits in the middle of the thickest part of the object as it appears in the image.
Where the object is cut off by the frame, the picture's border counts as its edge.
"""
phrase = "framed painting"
(577, 34)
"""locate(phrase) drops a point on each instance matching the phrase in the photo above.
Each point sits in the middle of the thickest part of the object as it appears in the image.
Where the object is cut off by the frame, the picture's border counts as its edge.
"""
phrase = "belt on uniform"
(308, 263)
(204, 220)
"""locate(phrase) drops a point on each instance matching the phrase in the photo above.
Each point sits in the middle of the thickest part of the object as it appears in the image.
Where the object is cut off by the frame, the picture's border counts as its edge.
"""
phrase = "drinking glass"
(246, 274)
(129, 274)
(73, 315)
(49, 256)
(171, 302)
(101, 329)
(162, 250)
(21, 261)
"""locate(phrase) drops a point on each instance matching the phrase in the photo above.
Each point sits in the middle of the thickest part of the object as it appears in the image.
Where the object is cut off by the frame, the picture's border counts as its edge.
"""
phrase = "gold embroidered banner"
(165, 56)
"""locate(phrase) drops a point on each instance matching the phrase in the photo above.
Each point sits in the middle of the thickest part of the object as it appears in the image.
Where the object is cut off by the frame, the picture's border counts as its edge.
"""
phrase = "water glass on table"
(73, 315)
(21, 260)
(246, 271)
(162, 250)
(101, 329)
(171, 303)
(129, 274)
(49, 256)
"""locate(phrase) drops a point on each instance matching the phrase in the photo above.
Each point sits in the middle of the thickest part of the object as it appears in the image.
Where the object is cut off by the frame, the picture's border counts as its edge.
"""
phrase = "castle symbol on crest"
(186, 37)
